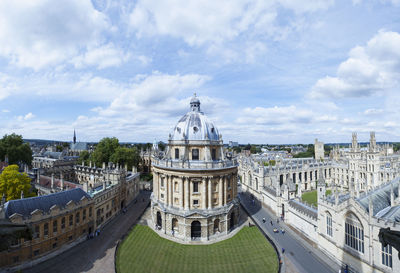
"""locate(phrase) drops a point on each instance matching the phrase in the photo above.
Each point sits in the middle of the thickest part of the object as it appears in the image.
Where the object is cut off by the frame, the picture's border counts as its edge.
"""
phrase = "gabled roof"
(79, 146)
(27, 205)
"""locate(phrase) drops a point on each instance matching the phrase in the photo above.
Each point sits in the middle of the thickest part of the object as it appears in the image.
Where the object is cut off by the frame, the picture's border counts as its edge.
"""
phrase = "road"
(303, 259)
(96, 255)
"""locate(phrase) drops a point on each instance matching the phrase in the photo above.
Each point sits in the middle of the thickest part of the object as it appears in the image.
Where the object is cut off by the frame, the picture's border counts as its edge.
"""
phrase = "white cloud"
(372, 69)
(212, 21)
(373, 111)
(102, 57)
(26, 117)
(38, 33)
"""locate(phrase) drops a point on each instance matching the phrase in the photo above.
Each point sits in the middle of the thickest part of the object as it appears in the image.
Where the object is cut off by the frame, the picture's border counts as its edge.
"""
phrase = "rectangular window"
(71, 220)
(55, 226)
(63, 223)
(84, 215)
(195, 154)
(214, 154)
(36, 252)
(162, 182)
(329, 225)
(15, 259)
(90, 212)
(354, 234)
(387, 256)
(37, 232)
(195, 186)
(176, 201)
(78, 216)
(54, 245)
(46, 229)
(176, 153)
(195, 202)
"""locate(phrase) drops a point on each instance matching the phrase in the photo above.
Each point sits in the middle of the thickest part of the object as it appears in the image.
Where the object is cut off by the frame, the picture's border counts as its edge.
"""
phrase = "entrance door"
(196, 229)
(232, 221)
(159, 220)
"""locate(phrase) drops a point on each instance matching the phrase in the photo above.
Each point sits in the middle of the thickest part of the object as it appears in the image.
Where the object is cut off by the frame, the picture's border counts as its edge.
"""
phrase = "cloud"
(102, 57)
(26, 117)
(275, 115)
(38, 33)
(373, 111)
(370, 70)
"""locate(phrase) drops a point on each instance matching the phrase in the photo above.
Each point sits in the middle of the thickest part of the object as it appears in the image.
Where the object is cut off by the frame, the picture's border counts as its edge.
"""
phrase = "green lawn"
(311, 197)
(144, 251)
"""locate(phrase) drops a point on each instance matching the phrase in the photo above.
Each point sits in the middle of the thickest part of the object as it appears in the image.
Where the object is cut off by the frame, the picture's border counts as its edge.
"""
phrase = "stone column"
(186, 201)
(204, 193)
(171, 191)
(181, 191)
(221, 191)
(167, 193)
(209, 192)
(225, 186)
(190, 193)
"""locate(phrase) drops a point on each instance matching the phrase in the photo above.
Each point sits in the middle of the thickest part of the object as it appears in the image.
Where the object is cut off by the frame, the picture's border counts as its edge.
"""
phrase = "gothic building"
(195, 185)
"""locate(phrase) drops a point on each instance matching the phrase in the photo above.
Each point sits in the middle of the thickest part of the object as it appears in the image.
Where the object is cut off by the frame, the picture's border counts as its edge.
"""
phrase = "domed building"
(194, 183)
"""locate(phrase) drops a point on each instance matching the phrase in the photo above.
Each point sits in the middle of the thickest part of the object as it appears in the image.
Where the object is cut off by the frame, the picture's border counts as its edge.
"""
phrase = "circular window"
(195, 129)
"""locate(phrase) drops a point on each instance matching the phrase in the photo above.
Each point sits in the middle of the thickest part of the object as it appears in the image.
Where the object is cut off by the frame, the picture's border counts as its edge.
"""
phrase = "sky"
(272, 72)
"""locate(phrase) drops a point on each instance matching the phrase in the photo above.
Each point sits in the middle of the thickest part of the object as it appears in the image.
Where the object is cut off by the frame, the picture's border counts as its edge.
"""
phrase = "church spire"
(74, 137)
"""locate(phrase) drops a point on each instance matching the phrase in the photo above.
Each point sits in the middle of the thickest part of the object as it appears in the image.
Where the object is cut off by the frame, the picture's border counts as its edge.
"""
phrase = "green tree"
(12, 182)
(104, 150)
(84, 157)
(253, 149)
(15, 149)
(161, 146)
(123, 155)
(59, 148)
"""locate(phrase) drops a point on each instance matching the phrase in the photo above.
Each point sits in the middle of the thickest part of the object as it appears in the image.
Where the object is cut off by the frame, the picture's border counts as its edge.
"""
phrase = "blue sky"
(265, 71)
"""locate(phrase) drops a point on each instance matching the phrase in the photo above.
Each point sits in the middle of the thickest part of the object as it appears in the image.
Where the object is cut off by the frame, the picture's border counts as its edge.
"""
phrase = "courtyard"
(144, 251)
(311, 197)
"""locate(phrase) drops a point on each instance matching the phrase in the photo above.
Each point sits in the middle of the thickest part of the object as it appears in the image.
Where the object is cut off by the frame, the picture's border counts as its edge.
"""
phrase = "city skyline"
(272, 72)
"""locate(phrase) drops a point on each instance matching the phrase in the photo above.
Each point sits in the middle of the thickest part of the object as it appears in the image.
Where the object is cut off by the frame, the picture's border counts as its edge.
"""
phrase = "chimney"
(104, 165)
(391, 195)
(104, 185)
(62, 180)
(90, 164)
(126, 167)
(52, 180)
(22, 194)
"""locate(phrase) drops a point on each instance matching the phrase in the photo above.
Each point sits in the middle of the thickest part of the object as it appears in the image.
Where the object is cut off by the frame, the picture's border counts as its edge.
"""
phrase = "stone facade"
(345, 225)
(194, 185)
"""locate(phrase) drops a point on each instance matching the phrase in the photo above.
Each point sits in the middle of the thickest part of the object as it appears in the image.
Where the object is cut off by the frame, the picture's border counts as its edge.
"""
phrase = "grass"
(312, 198)
(144, 251)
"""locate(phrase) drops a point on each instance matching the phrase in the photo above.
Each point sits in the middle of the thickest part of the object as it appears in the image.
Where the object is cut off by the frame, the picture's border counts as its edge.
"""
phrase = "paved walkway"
(96, 255)
(299, 256)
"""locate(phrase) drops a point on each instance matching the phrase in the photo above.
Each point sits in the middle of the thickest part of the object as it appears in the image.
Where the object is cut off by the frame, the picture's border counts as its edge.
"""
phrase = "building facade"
(194, 184)
(52, 221)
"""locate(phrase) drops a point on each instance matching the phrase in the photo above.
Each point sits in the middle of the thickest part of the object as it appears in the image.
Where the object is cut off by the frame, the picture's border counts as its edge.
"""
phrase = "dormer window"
(176, 153)
(178, 129)
(195, 129)
(212, 130)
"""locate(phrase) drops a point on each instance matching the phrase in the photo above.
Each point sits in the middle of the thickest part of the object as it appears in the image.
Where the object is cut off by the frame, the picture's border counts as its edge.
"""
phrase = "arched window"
(354, 233)
(175, 226)
(329, 224)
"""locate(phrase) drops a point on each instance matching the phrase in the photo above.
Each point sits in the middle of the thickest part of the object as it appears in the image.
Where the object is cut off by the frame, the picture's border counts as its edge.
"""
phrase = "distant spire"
(74, 136)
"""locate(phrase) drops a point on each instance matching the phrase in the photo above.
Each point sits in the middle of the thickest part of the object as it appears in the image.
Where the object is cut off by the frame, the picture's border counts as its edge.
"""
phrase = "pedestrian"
(271, 223)
(283, 250)
(277, 220)
(264, 220)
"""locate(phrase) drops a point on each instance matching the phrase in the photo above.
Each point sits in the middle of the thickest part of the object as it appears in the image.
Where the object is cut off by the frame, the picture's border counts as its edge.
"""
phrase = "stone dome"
(195, 125)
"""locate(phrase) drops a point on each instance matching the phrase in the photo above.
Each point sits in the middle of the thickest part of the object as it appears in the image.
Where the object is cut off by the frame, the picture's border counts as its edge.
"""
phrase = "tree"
(123, 155)
(104, 150)
(161, 146)
(12, 182)
(59, 148)
(253, 149)
(15, 149)
(84, 157)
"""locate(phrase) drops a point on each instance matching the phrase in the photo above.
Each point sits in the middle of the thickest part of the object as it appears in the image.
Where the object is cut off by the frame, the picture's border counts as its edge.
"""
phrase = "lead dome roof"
(195, 125)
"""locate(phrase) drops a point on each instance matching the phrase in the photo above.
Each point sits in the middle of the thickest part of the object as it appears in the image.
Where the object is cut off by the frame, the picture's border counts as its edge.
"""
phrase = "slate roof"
(27, 205)
(381, 201)
(45, 181)
(79, 146)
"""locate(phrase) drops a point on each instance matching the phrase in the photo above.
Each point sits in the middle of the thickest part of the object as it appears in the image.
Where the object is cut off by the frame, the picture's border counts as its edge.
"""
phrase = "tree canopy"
(12, 182)
(123, 155)
(15, 149)
(109, 150)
